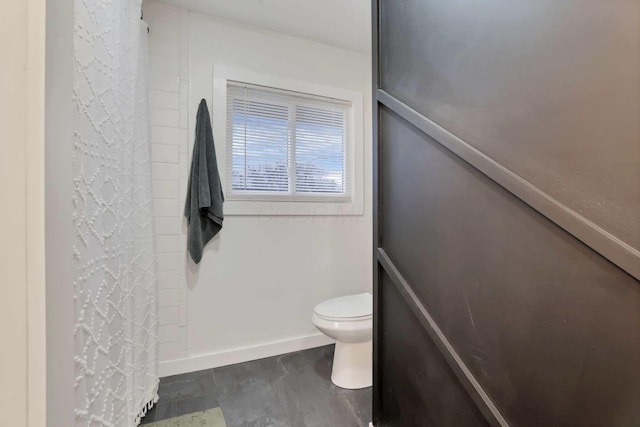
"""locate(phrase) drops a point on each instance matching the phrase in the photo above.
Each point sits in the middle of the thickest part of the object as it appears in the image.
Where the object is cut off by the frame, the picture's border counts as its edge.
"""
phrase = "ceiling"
(342, 23)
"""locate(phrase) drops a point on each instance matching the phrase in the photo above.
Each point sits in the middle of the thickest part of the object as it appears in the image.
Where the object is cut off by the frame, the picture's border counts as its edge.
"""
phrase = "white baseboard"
(244, 354)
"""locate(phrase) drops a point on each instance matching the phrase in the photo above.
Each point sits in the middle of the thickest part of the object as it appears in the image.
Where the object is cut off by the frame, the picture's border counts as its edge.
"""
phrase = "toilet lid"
(347, 307)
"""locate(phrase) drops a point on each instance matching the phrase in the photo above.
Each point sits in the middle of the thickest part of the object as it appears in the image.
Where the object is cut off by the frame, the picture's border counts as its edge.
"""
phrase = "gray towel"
(203, 208)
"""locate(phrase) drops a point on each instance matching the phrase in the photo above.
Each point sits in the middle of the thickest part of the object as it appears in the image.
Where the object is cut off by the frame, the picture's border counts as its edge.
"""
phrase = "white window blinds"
(287, 144)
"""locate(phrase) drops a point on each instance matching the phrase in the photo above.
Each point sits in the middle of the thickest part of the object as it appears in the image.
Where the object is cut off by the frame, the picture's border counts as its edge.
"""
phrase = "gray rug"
(209, 418)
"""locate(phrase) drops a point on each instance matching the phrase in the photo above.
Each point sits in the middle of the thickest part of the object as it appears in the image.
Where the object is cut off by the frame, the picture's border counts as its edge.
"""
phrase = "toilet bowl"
(348, 320)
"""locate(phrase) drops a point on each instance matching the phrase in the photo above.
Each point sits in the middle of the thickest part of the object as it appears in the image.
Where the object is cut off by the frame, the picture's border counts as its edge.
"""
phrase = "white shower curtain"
(116, 335)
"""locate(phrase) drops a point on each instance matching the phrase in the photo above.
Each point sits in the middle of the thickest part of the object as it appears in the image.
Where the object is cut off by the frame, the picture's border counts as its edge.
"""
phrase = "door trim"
(609, 246)
(455, 362)
(376, 207)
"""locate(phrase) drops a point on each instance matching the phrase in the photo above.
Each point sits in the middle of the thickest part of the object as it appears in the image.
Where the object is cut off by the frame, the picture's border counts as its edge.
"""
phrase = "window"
(286, 145)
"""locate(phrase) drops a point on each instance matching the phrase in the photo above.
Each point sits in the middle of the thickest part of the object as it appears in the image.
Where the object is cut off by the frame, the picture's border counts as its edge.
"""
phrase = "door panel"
(419, 390)
(550, 89)
(527, 306)
(489, 309)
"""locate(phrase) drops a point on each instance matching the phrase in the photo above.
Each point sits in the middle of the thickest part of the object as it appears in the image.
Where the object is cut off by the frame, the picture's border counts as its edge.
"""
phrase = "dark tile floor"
(292, 390)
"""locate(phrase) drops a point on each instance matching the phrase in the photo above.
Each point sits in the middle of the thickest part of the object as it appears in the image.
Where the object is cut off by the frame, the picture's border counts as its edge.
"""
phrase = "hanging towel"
(203, 207)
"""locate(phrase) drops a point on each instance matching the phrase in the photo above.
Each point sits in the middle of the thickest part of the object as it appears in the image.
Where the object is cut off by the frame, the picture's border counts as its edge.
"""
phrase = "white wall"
(22, 296)
(257, 284)
(168, 95)
(13, 304)
(339, 23)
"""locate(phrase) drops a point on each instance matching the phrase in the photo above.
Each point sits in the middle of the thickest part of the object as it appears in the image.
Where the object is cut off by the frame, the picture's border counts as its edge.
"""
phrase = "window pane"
(320, 150)
(260, 141)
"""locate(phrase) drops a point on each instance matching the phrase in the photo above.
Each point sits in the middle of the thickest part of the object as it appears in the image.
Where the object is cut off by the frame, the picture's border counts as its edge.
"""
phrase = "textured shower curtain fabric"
(115, 292)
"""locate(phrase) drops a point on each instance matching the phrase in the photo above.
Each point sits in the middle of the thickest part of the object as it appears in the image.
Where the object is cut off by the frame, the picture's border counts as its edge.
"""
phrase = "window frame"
(242, 203)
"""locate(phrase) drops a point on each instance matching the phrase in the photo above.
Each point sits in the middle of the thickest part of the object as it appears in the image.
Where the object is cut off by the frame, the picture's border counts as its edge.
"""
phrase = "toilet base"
(352, 365)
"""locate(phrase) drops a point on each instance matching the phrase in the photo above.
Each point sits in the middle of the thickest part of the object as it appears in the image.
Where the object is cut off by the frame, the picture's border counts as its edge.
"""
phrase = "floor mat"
(210, 418)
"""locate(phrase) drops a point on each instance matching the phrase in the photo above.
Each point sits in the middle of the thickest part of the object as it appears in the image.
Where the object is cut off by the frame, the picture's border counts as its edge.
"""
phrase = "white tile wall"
(168, 279)
(169, 316)
(165, 207)
(163, 99)
(168, 97)
(168, 65)
(165, 153)
(165, 189)
(165, 135)
(166, 244)
(169, 333)
(168, 225)
(164, 117)
(165, 170)
(171, 262)
(168, 297)
(161, 81)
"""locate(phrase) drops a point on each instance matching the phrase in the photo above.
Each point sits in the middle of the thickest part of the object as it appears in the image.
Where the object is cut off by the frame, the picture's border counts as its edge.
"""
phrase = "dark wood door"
(507, 212)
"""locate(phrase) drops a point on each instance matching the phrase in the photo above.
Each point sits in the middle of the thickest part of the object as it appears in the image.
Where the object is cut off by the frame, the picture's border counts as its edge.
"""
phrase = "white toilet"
(348, 320)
